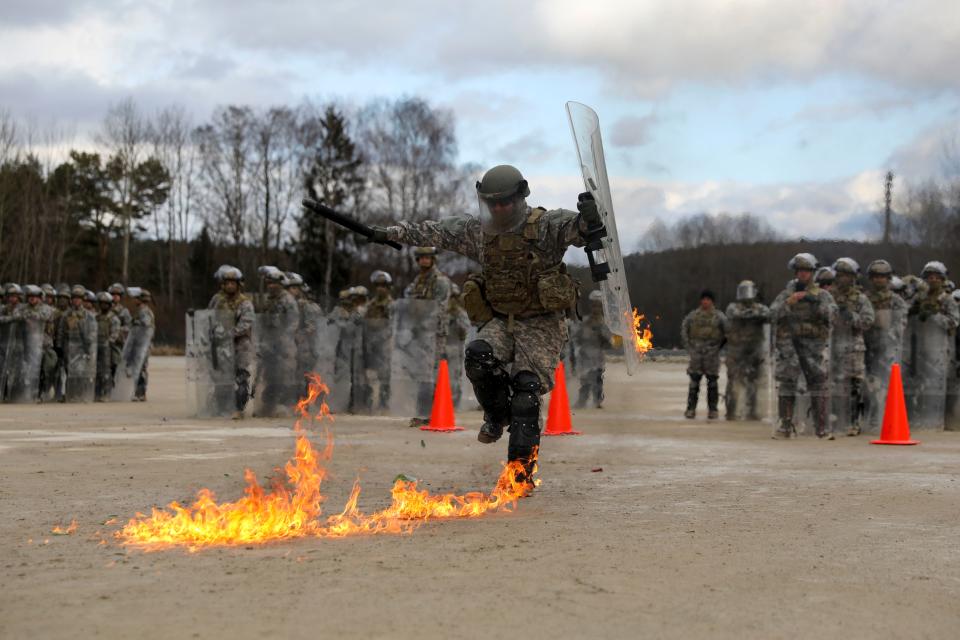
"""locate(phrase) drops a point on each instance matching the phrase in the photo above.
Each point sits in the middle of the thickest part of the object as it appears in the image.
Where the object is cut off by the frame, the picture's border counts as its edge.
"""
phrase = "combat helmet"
(32, 290)
(824, 275)
(146, 296)
(293, 279)
(134, 292)
(803, 261)
(880, 268)
(424, 251)
(502, 195)
(228, 272)
(48, 290)
(13, 289)
(90, 296)
(116, 288)
(934, 266)
(746, 290)
(846, 265)
(380, 277)
(104, 296)
(271, 273)
(596, 296)
(64, 291)
(78, 291)
(897, 284)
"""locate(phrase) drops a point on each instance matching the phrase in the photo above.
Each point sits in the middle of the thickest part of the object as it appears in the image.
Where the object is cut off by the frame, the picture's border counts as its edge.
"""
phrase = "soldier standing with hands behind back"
(703, 334)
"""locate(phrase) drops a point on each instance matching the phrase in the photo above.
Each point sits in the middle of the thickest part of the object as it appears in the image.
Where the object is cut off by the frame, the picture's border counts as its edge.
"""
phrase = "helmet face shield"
(502, 215)
(746, 290)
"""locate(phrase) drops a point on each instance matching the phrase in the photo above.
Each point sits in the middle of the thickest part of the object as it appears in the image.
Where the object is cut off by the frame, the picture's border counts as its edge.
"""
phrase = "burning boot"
(786, 428)
(693, 394)
(491, 385)
(713, 397)
(524, 423)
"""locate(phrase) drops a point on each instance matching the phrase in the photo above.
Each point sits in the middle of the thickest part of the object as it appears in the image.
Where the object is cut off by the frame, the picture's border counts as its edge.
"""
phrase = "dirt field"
(690, 530)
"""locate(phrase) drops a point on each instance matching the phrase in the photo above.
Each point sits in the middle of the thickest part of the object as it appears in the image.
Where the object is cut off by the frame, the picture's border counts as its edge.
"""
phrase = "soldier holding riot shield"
(933, 319)
(378, 336)
(108, 332)
(883, 340)
(590, 340)
(747, 350)
(77, 337)
(855, 315)
(276, 330)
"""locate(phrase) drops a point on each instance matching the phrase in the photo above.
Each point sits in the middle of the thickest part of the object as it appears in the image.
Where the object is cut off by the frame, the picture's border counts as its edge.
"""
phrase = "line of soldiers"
(70, 344)
(364, 346)
(834, 344)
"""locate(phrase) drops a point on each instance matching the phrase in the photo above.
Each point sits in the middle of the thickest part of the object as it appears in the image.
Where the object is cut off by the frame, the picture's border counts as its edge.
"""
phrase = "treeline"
(667, 285)
(159, 200)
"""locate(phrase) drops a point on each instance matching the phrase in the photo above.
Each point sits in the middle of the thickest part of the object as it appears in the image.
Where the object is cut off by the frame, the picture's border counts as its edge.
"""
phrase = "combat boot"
(713, 398)
(693, 394)
(786, 429)
(856, 408)
(821, 419)
(730, 401)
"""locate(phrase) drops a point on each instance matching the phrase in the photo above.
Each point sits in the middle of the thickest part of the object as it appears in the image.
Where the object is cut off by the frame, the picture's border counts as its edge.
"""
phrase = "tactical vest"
(705, 327)
(804, 319)
(880, 298)
(521, 279)
(377, 310)
(228, 303)
(425, 284)
(744, 331)
(103, 328)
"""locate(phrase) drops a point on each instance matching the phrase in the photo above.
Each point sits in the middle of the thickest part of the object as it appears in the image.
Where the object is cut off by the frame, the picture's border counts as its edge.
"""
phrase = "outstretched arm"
(460, 234)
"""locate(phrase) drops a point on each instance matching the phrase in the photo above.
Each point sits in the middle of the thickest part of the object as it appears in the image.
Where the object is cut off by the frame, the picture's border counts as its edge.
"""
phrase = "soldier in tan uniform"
(703, 333)
(232, 300)
(518, 300)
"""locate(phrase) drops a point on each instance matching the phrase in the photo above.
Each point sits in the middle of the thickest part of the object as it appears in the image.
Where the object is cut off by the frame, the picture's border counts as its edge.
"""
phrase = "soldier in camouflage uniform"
(143, 317)
(378, 335)
(233, 301)
(29, 326)
(590, 340)
(280, 317)
(430, 284)
(952, 422)
(884, 340)
(703, 333)
(746, 349)
(518, 301)
(76, 333)
(932, 323)
(9, 346)
(456, 335)
(311, 315)
(117, 292)
(855, 315)
(825, 278)
(108, 330)
(803, 314)
(48, 372)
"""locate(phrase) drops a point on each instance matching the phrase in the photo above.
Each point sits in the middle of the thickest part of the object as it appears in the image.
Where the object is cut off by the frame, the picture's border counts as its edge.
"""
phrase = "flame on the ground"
(65, 531)
(642, 334)
(291, 507)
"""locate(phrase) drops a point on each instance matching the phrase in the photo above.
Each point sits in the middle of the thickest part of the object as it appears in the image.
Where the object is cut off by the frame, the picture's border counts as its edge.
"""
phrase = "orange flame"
(292, 508)
(65, 531)
(642, 335)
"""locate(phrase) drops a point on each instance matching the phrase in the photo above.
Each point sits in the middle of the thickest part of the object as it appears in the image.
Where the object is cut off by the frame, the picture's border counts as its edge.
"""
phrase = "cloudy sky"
(791, 110)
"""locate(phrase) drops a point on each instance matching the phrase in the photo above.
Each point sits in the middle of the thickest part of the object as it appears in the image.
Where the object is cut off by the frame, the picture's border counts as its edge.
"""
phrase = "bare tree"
(125, 132)
(227, 168)
(278, 156)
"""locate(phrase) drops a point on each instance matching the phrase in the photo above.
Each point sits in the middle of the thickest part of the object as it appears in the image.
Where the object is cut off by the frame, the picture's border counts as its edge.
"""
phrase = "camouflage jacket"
(703, 329)
(243, 314)
(812, 317)
(459, 322)
(938, 307)
(433, 285)
(379, 308)
(108, 328)
(890, 319)
(144, 318)
(126, 320)
(281, 312)
(77, 328)
(745, 322)
(42, 314)
(590, 339)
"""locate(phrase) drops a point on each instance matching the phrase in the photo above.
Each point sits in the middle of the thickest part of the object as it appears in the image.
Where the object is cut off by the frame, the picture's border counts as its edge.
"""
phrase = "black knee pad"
(525, 410)
(480, 364)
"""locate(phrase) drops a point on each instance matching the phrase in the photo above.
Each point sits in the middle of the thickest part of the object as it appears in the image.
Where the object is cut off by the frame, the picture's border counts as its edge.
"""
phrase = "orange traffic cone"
(441, 417)
(558, 417)
(896, 428)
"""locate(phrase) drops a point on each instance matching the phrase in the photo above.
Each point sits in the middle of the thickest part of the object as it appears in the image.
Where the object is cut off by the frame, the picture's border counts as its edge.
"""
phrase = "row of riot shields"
(31, 372)
(929, 368)
(375, 365)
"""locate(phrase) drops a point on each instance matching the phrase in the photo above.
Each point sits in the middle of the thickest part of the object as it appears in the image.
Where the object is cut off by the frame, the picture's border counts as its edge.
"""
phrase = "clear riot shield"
(926, 363)
(414, 360)
(136, 348)
(326, 365)
(617, 310)
(26, 359)
(749, 376)
(349, 391)
(377, 356)
(952, 419)
(277, 384)
(211, 363)
(80, 354)
(884, 342)
(846, 363)
(6, 345)
(797, 357)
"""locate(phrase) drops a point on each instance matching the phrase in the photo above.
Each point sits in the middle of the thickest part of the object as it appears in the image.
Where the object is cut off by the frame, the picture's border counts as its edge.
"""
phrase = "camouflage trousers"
(533, 345)
(704, 360)
(810, 357)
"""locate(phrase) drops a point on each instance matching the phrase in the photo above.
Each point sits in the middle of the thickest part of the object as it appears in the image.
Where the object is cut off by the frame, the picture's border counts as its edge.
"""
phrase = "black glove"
(587, 207)
(379, 235)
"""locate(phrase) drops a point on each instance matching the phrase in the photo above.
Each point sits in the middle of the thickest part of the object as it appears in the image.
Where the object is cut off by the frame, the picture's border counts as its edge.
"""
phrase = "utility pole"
(888, 208)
